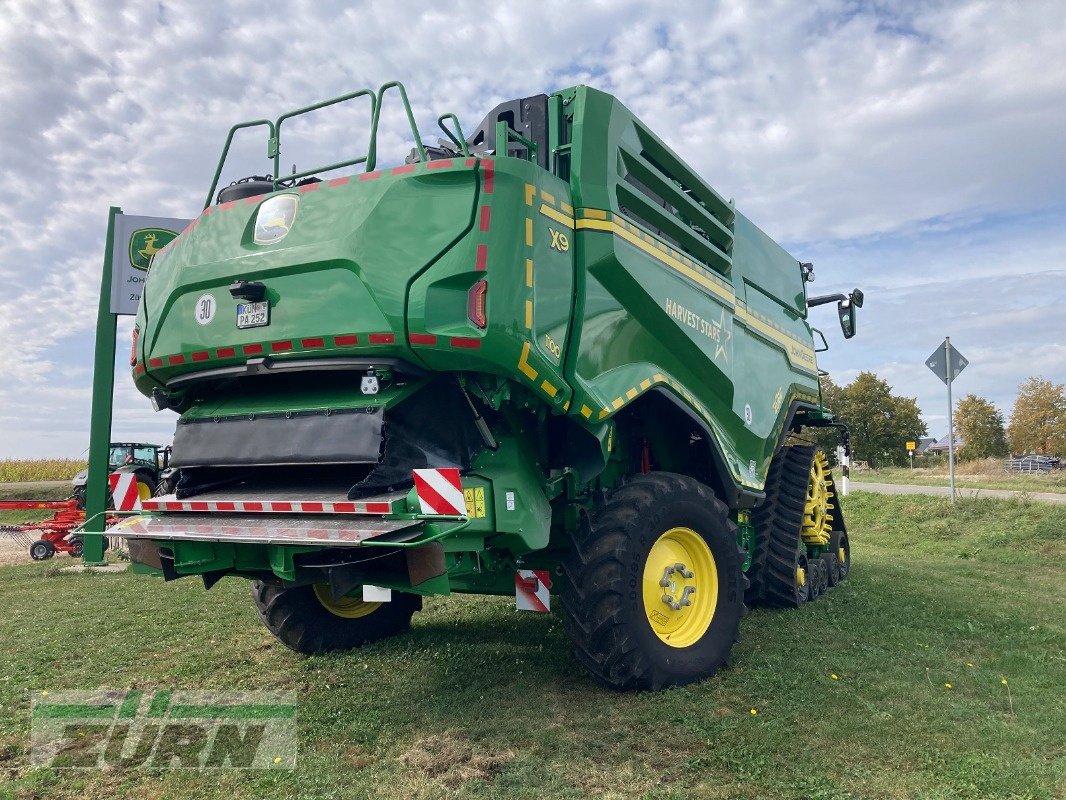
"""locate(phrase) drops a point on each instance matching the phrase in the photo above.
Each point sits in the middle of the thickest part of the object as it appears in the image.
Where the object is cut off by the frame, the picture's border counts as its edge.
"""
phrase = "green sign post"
(131, 243)
(100, 418)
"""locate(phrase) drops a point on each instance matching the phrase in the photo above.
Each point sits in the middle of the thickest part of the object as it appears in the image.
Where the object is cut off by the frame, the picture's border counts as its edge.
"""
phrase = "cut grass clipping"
(891, 686)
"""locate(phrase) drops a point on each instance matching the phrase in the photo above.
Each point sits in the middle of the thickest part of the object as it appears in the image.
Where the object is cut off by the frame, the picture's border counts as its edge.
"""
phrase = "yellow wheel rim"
(346, 607)
(801, 576)
(680, 587)
(143, 492)
(817, 516)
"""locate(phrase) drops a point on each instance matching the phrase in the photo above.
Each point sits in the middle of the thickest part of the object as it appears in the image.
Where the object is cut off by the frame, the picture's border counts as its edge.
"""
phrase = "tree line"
(881, 422)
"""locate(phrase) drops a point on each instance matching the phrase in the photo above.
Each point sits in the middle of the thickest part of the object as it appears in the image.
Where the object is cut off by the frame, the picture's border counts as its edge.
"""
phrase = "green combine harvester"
(546, 359)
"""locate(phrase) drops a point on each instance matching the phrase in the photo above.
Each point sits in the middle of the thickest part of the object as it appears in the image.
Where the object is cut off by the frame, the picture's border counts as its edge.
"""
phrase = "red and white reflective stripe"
(266, 506)
(440, 491)
(531, 590)
(124, 491)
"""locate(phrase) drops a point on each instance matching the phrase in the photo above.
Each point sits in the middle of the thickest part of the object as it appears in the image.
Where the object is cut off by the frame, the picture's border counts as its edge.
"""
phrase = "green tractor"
(542, 360)
(148, 462)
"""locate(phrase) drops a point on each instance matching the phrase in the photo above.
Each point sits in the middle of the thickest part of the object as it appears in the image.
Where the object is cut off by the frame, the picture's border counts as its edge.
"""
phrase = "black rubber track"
(300, 622)
(602, 596)
(778, 523)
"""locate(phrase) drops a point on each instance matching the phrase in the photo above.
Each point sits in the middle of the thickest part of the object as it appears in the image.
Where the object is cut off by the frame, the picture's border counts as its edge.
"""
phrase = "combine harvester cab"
(470, 371)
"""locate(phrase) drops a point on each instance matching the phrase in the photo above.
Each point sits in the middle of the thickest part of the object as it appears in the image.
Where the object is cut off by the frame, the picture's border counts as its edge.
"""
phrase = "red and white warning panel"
(125, 491)
(531, 590)
(259, 503)
(440, 491)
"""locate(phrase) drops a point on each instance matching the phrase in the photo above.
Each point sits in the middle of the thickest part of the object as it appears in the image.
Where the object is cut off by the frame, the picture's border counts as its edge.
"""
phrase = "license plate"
(253, 315)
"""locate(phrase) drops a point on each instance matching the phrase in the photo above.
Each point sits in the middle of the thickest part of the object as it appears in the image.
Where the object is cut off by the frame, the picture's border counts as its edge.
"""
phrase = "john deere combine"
(543, 359)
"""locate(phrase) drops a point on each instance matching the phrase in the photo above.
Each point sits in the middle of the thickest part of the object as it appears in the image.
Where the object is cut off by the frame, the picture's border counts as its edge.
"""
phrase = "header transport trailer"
(544, 359)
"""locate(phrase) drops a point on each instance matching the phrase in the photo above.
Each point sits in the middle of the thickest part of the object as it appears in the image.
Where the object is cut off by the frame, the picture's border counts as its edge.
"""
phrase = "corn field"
(39, 469)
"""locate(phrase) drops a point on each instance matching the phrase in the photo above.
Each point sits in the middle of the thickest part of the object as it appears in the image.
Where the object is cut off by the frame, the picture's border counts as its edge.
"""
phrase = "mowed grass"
(40, 469)
(480, 701)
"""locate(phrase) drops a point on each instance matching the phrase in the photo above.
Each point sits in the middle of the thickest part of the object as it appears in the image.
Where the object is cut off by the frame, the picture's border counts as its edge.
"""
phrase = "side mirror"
(846, 312)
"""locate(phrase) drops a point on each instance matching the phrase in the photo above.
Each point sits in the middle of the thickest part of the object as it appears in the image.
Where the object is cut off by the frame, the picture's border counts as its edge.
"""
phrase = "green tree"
(880, 422)
(979, 425)
(1038, 421)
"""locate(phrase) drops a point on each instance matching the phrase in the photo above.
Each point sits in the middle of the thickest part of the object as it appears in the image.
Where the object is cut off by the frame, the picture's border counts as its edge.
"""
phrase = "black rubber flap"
(336, 437)
(434, 428)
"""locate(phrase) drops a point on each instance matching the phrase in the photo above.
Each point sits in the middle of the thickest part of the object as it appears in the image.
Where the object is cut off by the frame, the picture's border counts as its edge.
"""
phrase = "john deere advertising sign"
(137, 239)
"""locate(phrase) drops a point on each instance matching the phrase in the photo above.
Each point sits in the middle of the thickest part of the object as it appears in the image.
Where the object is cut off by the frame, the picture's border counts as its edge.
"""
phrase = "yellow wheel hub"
(817, 516)
(680, 587)
(346, 607)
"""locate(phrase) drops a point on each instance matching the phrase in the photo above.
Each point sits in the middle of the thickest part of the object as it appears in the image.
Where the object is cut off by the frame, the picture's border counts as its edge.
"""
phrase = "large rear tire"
(309, 620)
(654, 587)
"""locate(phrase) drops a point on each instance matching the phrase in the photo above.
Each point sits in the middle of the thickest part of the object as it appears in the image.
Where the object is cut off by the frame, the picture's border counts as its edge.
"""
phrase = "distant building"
(924, 444)
(941, 447)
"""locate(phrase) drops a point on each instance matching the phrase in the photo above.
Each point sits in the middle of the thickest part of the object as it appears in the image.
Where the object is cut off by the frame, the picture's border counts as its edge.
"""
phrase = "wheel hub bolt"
(671, 586)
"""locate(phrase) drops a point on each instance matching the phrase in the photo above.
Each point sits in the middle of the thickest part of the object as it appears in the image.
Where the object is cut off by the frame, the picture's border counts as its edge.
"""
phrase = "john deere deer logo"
(275, 218)
(146, 242)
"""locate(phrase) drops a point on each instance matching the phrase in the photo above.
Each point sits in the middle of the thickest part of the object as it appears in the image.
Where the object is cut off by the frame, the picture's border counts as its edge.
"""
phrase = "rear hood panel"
(338, 279)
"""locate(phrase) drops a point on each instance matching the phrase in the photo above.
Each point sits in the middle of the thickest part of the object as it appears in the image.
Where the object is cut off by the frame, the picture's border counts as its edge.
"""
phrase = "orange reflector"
(133, 347)
(475, 303)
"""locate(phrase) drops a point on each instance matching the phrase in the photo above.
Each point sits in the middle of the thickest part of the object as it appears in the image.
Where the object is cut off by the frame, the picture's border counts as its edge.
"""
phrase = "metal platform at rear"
(275, 529)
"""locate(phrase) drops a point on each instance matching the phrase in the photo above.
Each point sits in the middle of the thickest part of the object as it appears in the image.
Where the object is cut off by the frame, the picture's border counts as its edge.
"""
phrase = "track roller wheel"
(823, 576)
(308, 619)
(840, 545)
(832, 565)
(814, 578)
(654, 586)
(42, 550)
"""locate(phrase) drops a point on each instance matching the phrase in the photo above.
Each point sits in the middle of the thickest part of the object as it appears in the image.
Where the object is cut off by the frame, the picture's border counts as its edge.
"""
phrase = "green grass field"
(479, 701)
(964, 478)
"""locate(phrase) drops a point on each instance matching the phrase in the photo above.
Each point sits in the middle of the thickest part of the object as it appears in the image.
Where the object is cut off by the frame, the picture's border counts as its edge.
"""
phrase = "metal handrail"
(229, 140)
(374, 106)
(372, 160)
(457, 138)
(369, 160)
(508, 134)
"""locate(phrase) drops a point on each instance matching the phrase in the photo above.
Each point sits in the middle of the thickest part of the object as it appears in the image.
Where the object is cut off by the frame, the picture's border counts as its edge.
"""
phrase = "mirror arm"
(821, 300)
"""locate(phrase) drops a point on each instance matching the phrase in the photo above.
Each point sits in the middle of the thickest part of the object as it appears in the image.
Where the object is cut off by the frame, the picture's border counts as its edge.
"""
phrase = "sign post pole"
(947, 362)
(951, 422)
(100, 419)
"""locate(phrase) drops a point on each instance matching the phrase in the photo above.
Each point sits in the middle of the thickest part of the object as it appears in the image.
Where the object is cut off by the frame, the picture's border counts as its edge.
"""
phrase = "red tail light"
(133, 347)
(475, 303)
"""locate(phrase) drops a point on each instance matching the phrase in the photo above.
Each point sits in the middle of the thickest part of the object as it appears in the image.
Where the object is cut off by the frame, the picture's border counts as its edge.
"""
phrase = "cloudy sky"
(917, 150)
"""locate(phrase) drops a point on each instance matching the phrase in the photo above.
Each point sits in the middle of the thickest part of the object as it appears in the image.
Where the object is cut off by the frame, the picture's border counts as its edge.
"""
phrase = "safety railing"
(369, 160)
(505, 134)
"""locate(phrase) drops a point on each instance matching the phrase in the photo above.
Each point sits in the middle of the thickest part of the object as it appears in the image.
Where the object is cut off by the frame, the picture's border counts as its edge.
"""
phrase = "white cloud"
(879, 137)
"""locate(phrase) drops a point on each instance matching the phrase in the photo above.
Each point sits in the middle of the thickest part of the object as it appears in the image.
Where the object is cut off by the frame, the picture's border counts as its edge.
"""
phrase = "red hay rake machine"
(44, 539)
